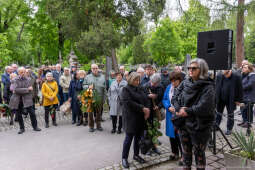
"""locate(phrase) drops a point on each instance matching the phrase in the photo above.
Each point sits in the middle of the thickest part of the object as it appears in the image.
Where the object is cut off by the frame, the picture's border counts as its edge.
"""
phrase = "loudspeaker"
(215, 47)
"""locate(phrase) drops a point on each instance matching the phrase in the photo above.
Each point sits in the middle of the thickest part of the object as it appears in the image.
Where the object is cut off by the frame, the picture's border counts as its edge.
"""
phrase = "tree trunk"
(20, 32)
(240, 33)
(61, 40)
(39, 57)
(114, 60)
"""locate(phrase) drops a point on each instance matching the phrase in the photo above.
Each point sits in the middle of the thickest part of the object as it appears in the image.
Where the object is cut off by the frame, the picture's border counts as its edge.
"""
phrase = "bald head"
(22, 71)
(94, 69)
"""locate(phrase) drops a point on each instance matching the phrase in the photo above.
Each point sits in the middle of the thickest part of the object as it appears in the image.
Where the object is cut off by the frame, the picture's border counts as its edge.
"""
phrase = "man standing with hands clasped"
(23, 98)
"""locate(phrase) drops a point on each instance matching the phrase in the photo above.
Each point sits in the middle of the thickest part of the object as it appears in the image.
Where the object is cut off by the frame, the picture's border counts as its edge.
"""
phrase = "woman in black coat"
(248, 83)
(74, 89)
(194, 101)
(135, 112)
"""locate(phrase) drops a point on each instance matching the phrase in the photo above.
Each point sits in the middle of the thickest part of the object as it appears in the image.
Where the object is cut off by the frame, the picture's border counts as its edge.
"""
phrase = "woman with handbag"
(175, 78)
(135, 112)
(50, 98)
(194, 104)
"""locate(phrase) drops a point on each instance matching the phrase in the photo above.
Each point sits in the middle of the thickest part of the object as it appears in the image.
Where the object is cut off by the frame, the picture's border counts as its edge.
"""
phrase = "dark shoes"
(85, 123)
(246, 125)
(228, 132)
(79, 124)
(37, 129)
(119, 132)
(21, 131)
(139, 159)
(155, 150)
(11, 122)
(73, 122)
(100, 129)
(54, 124)
(47, 125)
(174, 157)
(91, 129)
(113, 131)
(240, 124)
(125, 163)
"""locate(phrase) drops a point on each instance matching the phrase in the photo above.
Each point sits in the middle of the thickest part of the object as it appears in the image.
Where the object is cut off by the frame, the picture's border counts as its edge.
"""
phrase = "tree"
(164, 44)
(5, 54)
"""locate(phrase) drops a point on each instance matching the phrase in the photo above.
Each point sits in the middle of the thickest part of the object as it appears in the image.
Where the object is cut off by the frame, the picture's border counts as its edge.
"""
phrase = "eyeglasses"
(193, 68)
(94, 68)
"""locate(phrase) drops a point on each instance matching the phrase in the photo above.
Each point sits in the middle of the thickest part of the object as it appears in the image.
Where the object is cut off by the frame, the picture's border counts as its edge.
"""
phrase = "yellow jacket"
(47, 93)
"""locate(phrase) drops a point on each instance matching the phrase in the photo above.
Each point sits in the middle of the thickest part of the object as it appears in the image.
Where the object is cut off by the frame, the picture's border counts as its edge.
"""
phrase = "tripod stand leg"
(226, 139)
(214, 140)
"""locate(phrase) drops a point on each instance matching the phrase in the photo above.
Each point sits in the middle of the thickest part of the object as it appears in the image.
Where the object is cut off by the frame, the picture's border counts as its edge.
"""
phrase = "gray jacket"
(98, 82)
(114, 97)
(20, 91)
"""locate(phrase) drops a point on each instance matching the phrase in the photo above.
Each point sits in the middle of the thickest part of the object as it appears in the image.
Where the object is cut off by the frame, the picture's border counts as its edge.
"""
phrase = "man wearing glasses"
(96, 81)
(228, 94)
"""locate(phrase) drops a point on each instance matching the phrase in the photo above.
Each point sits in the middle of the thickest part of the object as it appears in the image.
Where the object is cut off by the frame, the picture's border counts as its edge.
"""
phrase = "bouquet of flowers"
(90, 100)
(5, 110)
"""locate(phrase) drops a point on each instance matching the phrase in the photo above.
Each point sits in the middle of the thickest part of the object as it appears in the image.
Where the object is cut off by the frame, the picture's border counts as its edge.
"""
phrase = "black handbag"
(145, 143)
(178, 121)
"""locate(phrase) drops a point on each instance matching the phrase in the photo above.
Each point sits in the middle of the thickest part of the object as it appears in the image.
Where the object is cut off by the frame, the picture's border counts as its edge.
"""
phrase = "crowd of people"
(192, 102)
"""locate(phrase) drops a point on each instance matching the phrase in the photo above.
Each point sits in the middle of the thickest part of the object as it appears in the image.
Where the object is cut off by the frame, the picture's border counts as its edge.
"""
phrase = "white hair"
(155, 78)
(49, 74)
(203, 66)
(21, 68)
(140, 69)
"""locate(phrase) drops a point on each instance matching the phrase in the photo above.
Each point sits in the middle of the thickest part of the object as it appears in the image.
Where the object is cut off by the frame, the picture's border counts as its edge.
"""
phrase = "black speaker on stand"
(215, 47)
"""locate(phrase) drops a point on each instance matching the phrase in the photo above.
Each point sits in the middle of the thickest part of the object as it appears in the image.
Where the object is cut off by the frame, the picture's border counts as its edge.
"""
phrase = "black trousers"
(127, 143)
(220, 109)
(47, 112)
(176, 145)
(31, 112)
(114, 122)
(196, 141)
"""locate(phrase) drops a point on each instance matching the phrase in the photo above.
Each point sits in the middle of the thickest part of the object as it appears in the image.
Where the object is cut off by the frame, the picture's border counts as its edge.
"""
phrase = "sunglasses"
(193, 68)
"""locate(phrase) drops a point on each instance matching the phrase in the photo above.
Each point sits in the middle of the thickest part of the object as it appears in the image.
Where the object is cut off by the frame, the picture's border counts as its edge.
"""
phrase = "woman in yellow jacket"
(50, 99)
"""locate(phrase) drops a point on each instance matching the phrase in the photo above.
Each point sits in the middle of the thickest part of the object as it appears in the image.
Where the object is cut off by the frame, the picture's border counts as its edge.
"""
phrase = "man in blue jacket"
(5, 78)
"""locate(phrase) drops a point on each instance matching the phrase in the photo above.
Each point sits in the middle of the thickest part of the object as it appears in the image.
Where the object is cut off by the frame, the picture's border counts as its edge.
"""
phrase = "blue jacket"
(145, 79)
(5, 78)
(167, 103)
(249, 88)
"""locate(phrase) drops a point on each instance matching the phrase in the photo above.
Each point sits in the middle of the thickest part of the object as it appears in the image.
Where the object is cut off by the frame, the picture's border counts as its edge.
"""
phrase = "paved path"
(65, 147)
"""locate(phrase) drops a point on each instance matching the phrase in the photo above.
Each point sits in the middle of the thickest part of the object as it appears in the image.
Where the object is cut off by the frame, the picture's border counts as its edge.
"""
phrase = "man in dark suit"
(228, 94)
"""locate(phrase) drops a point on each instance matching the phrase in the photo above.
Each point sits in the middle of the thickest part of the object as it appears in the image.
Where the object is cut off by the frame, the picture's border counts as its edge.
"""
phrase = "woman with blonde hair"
(135, 111)
(50, 98)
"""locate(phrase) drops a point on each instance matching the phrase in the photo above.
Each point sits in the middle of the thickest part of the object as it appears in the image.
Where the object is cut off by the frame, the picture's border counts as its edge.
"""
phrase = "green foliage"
(164, 44)
(153, 131)
(247, 144)
(250, 46)
(5, 54)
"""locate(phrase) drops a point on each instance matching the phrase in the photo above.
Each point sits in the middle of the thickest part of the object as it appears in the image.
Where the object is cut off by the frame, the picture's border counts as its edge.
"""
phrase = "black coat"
(248, 83)
(236, 93)
(165, 81)
(133, 100)
(199, 98)
(159, 91)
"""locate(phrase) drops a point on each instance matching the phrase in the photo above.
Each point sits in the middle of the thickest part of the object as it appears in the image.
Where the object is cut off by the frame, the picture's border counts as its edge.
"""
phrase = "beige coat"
(65, 82)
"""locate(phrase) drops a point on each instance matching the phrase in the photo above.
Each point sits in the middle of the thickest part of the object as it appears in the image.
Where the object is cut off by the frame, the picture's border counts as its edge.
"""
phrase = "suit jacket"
(236, 92)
